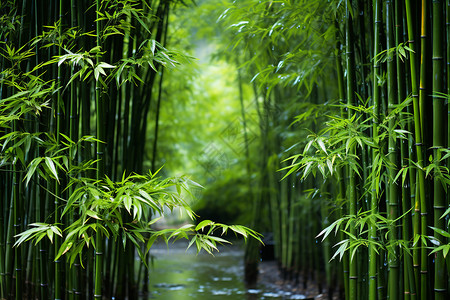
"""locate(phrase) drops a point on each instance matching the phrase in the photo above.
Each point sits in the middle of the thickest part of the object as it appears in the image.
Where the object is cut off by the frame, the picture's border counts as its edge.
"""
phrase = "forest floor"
(270, 275)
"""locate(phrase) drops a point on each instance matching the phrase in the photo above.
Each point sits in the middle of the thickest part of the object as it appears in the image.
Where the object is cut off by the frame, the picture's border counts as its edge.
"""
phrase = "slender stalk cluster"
(374, 154)
(77, 80)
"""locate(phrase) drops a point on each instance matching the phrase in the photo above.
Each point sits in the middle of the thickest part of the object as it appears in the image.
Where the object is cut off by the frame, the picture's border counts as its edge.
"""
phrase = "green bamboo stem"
(251, 254)
(420, 186)
(17, 193)
(164, 24)
(440, 282)
(75, 271)
(408, 272)
(340, 172)
(100, 170)
(17, 229)
(298, 229)
(373, 258)
(393, 188)
(43, 250)
(9, 252)
(274, 208)
(290, 231)
(41, 282)
(57, 189)
(363, 64)
(424, 291)
(284, 224)
(353, 273)
(2, 235)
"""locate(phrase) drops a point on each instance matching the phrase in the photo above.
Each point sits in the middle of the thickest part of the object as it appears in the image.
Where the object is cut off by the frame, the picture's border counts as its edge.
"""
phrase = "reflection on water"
(181, 275)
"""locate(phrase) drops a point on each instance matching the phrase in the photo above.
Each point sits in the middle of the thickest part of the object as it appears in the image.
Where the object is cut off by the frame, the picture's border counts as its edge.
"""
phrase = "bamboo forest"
(303, 144)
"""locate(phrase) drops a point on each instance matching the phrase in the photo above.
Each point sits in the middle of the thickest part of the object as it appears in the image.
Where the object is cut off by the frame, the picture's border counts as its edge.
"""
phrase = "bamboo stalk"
(440, 283)
(393, 188)
(100, 168)
(353, 273)
(408, 272)
(424, 290)
(420, 186)
(373, 258)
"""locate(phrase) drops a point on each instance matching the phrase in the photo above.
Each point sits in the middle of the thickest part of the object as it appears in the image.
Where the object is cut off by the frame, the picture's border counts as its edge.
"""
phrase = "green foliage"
(101, 207)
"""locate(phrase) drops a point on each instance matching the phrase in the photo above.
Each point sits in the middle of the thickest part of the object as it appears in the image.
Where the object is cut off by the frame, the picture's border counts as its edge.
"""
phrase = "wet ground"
(180, 275)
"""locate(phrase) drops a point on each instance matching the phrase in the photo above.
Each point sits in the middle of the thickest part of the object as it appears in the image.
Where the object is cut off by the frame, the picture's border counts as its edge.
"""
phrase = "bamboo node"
(439, 207)
(97, 296)
(423, 272)
(440, 290)
(353, 277)
(98, 253)
(423, 213)
(437, 58)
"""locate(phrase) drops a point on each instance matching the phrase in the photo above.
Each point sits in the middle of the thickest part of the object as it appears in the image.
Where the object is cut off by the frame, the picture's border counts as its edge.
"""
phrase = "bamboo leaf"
(341, 250)
(322, 145)
(441, 232)
(239, 229)
(31, 169)
(104, 65)
(51, 166)
(153, 221)
(204, 224)
(93, 214)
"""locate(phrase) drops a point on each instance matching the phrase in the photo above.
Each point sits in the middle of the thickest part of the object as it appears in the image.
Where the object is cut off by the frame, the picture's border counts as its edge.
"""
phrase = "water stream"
(178, 274)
